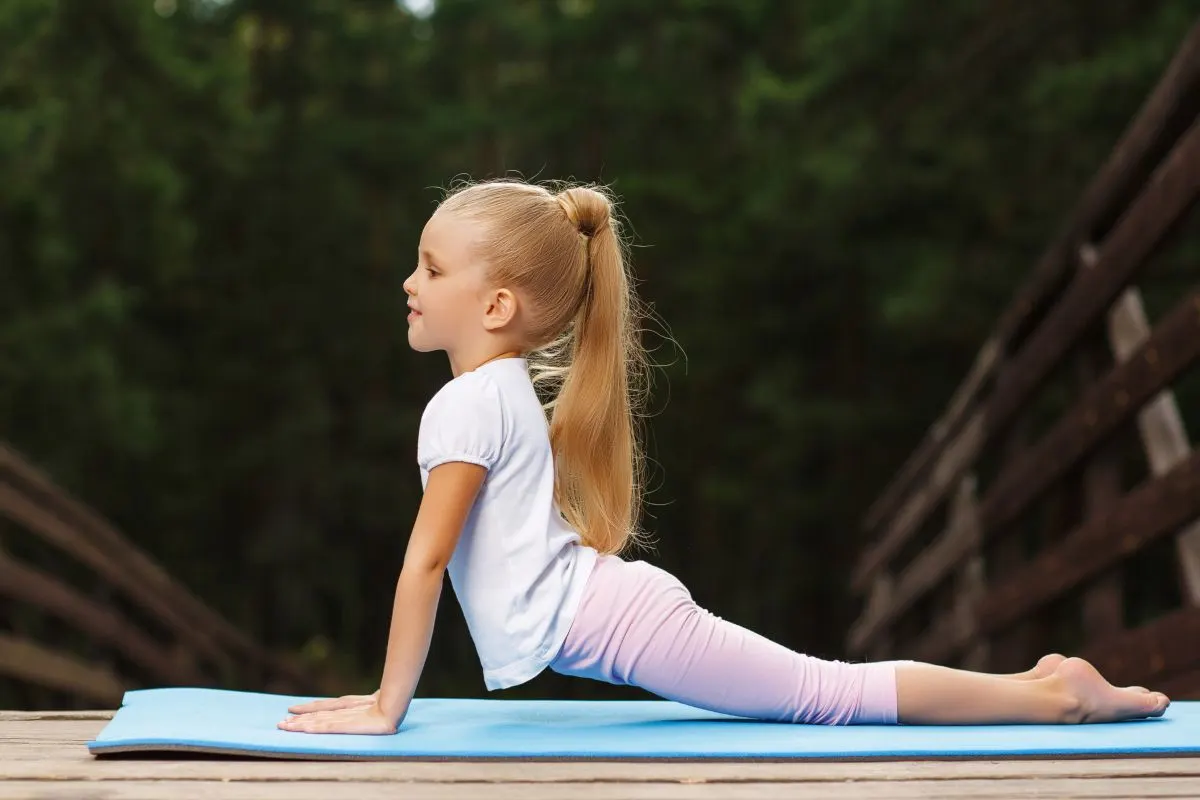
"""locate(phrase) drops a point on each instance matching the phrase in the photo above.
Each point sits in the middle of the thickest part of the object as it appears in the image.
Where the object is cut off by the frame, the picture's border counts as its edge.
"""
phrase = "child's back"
(519, 569)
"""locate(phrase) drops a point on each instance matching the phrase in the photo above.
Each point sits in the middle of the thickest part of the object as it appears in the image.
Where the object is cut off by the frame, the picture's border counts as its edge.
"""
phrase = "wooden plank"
(1164, 438)
(1102, 607)
(1155, 509)
(20, 509)
(1109, 403)
(964, 399)
(1111, 789)
(1167, 109)
(1012, 649)
(47, 759)
(1130, 159)
(1170, 191)
(950, 466)
(1009, 650)
(1103, 602)
(207, 629)
(960, 538)
(22, 582)
(52, 715)
(1164, 645)
(33, 663)
(54, 751)
(971, 583)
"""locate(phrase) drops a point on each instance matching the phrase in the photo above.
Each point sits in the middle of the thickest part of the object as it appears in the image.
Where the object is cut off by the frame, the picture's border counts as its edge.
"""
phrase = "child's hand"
(365, 718)
(335, 703)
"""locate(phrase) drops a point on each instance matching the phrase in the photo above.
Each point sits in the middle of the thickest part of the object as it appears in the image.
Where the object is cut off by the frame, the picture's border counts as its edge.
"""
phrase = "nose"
(407, 285)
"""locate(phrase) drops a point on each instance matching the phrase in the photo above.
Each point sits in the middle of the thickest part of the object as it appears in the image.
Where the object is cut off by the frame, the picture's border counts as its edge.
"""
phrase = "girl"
(528, 507)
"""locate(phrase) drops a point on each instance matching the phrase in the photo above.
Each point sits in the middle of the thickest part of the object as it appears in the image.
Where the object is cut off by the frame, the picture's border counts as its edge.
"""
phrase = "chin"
(416, 344)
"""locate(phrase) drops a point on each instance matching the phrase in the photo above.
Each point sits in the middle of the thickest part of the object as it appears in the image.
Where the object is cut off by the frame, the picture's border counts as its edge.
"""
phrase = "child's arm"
(449, 495)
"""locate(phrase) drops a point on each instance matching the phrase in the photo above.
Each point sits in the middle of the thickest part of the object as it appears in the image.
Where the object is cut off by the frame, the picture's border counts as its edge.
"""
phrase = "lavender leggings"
(638, 625)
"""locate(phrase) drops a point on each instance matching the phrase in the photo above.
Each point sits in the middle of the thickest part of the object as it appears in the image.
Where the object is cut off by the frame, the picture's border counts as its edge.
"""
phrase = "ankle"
(1066, 703)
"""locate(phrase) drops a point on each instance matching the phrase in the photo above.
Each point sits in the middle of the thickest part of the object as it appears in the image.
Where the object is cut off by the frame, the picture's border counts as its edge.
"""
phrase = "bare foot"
(1044, 668)
(1093, 699)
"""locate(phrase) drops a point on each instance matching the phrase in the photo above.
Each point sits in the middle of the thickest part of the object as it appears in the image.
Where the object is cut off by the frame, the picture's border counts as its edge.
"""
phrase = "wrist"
(392, 708)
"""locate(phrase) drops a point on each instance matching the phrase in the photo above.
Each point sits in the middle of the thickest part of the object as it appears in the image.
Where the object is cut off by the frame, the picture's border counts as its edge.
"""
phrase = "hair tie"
(570, 209)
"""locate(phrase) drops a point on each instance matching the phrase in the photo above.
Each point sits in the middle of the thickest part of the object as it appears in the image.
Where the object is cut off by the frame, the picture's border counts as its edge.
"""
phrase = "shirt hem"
(527, 669)
(464, 457)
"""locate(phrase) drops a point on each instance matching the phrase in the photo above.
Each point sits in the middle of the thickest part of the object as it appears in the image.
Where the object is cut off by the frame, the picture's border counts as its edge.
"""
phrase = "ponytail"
(564, 252)
(594, 423)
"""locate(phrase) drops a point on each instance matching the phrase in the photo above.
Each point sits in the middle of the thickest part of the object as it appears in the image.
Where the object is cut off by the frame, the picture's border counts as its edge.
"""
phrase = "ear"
(501, 309)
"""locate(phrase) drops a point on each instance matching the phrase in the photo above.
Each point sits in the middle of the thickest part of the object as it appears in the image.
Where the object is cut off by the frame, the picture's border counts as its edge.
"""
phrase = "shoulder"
(471, 391)
(464, 421)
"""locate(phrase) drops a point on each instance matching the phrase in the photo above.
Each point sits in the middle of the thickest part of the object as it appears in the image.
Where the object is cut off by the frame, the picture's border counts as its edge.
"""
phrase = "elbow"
(425, 566)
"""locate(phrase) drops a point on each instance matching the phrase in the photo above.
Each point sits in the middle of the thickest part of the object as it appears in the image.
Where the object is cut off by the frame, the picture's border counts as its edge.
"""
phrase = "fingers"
(352, 720)
(332, 703)
(314, 705)
(313, 722)
(306, 721)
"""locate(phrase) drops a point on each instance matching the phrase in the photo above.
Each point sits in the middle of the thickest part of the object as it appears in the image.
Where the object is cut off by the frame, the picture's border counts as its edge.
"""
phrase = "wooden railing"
(997, 542)
(127, 624)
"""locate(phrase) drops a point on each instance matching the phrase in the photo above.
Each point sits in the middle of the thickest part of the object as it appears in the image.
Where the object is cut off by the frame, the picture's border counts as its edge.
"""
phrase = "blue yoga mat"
(243, 723)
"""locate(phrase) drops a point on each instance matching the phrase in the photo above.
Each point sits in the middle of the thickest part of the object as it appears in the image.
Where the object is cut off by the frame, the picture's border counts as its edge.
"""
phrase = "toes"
(1142, 703)
(1101, 701)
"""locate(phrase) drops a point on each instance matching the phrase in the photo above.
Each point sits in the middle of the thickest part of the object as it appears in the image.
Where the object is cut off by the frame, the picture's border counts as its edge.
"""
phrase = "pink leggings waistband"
(638, 625)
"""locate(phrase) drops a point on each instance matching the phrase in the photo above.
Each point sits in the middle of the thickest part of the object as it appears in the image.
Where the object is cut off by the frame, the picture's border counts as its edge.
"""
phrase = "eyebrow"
(428, 255)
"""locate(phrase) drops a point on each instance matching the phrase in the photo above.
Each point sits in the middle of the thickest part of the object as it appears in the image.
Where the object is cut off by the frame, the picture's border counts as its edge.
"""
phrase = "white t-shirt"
(519, 569)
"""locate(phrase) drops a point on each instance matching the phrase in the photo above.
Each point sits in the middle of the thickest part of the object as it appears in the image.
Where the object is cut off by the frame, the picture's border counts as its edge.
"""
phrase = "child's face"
(447, 287)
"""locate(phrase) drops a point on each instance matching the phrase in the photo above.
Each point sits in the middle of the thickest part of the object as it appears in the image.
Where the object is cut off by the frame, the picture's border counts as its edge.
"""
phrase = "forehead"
(452, 238)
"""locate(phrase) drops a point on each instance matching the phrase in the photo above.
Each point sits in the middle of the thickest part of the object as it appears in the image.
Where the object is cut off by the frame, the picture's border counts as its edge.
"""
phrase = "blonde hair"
(561, 249)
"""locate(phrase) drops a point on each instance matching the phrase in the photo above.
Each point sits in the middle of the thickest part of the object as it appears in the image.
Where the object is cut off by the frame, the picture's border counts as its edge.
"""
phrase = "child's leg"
(1045, 666)
(1073, 692)
(638, 625)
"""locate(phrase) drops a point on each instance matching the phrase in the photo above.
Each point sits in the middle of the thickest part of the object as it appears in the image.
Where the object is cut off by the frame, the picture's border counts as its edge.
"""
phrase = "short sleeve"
(462, 422)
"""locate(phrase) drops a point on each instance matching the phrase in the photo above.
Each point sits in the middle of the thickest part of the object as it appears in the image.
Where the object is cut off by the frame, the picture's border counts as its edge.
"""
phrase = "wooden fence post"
(1160, 425)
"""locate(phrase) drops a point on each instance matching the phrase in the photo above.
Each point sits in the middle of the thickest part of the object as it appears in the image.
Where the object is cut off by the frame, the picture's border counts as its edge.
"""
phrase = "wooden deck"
(43, 755)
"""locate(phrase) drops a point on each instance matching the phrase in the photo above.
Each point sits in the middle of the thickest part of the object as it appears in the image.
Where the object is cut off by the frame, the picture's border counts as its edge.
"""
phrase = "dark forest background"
(207, 210)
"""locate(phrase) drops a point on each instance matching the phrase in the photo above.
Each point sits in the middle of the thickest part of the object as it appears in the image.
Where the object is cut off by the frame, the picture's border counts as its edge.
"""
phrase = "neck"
(471, 365)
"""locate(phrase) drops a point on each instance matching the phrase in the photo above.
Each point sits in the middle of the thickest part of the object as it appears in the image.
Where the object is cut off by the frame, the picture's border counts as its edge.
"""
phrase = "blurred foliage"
(209, 207)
